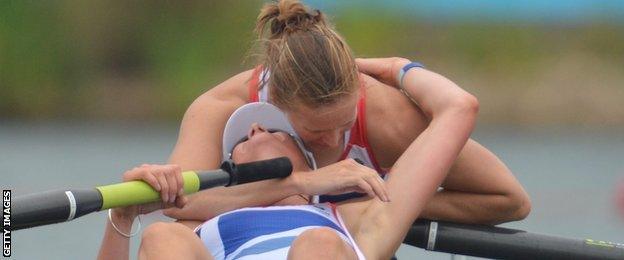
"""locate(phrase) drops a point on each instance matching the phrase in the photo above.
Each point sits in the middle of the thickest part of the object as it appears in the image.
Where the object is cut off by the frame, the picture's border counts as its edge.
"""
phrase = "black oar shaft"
(53, 206)
(505, 243)
(64, 205)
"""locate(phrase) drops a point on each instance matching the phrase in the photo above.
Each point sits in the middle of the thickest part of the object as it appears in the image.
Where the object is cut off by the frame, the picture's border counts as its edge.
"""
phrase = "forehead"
(326, 116)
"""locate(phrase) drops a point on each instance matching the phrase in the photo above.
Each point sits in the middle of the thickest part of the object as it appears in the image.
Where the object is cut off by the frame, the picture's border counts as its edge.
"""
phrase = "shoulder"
(234, 89)
(231, 93)
(199, 139)
(392, 121)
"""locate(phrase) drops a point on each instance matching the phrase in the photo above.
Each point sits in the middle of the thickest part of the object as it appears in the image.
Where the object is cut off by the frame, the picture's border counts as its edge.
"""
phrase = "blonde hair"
(308, 61)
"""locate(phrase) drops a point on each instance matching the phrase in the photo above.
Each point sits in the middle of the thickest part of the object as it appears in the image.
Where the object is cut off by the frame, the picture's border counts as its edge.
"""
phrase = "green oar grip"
(139, 192)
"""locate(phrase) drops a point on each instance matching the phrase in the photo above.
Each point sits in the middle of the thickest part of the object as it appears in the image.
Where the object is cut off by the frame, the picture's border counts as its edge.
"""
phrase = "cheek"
(308, 136)
(240, 154)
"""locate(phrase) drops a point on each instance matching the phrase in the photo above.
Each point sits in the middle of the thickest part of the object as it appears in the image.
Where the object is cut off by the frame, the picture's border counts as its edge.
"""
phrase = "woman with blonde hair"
(393, 115)
(341, 107)
(357, 228)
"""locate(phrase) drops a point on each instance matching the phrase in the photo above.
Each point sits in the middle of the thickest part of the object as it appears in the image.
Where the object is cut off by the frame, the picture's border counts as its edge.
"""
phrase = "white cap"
(264, 114)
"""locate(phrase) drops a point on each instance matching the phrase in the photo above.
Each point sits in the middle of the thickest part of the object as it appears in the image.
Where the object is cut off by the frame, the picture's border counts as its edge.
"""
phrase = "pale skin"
(393, 125)
(378, 225)
(492, 195)
(163, 241)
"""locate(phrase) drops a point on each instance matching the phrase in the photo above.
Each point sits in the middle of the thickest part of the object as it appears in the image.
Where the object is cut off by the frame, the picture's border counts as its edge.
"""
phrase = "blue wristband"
(405, 69)
(402, 74)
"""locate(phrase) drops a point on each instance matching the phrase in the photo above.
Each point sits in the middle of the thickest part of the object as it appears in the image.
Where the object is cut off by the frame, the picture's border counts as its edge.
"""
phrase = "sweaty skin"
(163, 240)
(393, 123)
(379, 226)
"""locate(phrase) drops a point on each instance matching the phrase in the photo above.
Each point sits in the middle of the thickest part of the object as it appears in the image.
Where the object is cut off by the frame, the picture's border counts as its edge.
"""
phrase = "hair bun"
(287, 16)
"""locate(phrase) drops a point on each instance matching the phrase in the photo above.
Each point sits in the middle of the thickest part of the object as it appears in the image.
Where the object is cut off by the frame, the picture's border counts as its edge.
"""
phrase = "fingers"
(167, 179)
(382, 69)
(379, 187)
(142, 174)
(365, 187)
(363, 65)
(177, 172)
(375, 67)
(164, 192)
(181, 201)
(177, 213)
(375, 185)
(172, 212)
(173, 175)
(150, 207)
(173, 185)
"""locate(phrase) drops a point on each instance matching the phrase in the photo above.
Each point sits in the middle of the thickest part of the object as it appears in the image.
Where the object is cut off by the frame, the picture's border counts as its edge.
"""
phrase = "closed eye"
(246, 138)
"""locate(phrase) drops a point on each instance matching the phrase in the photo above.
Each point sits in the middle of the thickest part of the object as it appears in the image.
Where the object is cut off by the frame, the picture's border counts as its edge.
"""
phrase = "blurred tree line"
(146, 60)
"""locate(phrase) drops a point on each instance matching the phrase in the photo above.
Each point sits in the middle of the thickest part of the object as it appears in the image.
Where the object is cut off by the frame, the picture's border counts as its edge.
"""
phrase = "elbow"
(514, 208)
(520, 202)
(463, 106)
(524, 209)
(467, 103)
(519, 207)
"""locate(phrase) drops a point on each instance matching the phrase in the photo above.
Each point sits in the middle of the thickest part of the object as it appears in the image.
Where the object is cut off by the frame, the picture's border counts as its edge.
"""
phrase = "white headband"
(264, 114)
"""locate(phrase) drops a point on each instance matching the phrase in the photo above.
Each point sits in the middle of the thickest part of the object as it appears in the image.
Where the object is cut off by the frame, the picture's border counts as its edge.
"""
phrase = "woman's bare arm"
(421, 169)
(343, 176)
(162, 178)
(497, 198)
(114, 245)
(199, 148)
(199, 141)
(479, 189)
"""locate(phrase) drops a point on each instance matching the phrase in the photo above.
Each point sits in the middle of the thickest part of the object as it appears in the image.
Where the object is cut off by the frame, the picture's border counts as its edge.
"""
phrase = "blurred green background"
(147, 60)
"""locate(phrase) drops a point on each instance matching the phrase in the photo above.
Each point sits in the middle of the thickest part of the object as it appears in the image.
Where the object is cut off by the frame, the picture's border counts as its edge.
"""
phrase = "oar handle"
(257, 171)
(57, 206)
(139, 192)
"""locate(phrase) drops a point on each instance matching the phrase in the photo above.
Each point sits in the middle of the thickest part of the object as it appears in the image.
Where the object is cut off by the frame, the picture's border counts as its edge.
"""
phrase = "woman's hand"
(342, 177)
(382, 69)
(166, 179)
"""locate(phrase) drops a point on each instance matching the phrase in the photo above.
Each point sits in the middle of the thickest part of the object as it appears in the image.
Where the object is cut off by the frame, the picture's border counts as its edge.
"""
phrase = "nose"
(255, 129)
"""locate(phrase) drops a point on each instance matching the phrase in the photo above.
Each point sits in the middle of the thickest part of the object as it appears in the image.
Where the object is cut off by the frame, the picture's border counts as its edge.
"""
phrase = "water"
(570, 175)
